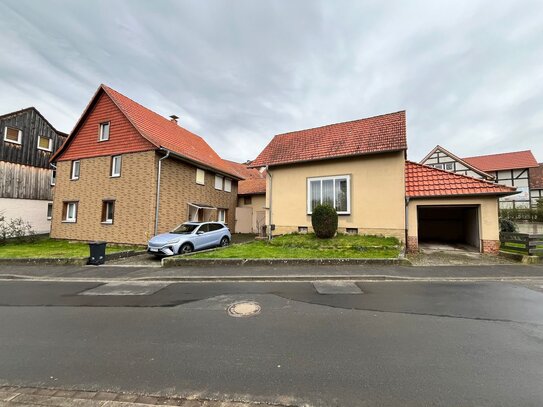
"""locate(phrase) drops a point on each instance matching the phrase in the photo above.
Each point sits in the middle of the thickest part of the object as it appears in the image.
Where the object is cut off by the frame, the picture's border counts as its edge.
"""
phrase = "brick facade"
(178, 188)
(412, 244)
(133, 193)
(490, 246)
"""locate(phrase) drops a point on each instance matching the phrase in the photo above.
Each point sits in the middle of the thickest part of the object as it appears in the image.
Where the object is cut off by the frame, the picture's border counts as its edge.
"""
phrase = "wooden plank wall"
(24, 182)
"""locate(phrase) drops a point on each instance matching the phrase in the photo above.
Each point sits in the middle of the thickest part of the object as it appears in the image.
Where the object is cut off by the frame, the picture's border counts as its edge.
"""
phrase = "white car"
(189, 237)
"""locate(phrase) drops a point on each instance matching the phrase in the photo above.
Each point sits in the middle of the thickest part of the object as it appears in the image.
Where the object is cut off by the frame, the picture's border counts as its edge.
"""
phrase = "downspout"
(270, 232)
(406, 221)
(158, 188)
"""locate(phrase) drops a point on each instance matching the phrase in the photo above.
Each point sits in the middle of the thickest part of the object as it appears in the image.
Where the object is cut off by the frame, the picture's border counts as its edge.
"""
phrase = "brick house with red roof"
(360, 168)
(512, 169)
(125, 173)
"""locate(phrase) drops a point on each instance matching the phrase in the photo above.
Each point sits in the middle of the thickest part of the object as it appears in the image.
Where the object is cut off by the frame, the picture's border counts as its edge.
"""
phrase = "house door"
(244, 220)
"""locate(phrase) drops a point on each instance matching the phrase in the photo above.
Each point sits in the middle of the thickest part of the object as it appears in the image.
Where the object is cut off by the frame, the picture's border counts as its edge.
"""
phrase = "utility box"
(97, 253)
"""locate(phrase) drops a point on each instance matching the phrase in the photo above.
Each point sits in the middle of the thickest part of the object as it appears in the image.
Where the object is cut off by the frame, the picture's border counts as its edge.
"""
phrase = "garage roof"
(424, 181)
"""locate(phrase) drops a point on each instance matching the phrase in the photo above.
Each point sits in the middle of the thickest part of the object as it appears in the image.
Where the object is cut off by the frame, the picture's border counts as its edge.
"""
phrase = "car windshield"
(184, 229)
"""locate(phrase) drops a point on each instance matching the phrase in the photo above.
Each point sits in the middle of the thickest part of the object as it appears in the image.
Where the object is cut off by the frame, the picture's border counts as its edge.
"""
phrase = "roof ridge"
(344, 122)
(62, 133)
(460, 175)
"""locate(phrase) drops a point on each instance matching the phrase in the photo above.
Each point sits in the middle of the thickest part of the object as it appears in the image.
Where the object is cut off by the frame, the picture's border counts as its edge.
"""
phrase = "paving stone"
(102, 395)
(146, 400)
(65, 393)
(45, 392)
(84, 395)
(7, 395)
(126, 397)
(27, 390)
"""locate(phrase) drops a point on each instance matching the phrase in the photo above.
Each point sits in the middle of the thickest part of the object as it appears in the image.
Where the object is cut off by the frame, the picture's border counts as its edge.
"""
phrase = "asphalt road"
(390, 344)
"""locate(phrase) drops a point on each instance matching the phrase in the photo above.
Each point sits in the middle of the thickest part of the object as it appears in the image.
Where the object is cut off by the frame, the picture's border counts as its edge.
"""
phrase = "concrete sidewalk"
(294, 273)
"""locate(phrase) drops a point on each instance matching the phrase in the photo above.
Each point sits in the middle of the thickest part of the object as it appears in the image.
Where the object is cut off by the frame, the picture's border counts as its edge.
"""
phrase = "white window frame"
(53, 177)
(228, 185)
(72, 176)
(107, 221)
(49, 205)
(200, 176)
(333, 178)
(113, 159)
(101, 131)
(72, 219)
(19, 135)
(448, 166)
(50, 148)
(438, 166)
(218, 178)
(221, 215)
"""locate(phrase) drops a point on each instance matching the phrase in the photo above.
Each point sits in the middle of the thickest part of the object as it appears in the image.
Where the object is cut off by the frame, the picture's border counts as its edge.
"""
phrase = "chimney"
(173, 118)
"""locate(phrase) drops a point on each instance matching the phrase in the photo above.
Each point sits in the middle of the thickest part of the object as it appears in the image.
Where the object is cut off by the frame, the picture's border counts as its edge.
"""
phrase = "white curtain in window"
(315, 187)
(328, 192)
(341, 195)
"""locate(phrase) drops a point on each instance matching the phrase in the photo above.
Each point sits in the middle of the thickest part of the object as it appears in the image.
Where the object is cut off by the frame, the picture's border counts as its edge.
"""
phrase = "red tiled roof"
(160, 132)
(254, 181)
(456, 158)
(536, 177)
(365, 136)
(424, 181)
(504, 161)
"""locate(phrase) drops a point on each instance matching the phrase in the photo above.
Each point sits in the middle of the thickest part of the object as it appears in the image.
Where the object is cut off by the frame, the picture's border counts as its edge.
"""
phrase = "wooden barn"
(26, 177)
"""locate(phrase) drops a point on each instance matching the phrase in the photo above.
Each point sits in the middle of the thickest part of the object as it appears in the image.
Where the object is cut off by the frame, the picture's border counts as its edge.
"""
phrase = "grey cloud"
(467, 72)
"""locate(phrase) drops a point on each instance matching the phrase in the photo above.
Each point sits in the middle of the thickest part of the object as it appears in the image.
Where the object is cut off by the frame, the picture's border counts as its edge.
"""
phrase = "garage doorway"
(454, 226)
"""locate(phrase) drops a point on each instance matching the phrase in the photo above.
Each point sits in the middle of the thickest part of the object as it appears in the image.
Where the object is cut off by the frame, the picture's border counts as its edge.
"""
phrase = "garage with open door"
(454, 225)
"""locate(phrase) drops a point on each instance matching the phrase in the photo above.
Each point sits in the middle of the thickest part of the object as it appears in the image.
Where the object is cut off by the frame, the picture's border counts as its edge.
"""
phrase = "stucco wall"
(258, 203)
(30, 210)
(133, 192)
(489, 225)
(377, 194)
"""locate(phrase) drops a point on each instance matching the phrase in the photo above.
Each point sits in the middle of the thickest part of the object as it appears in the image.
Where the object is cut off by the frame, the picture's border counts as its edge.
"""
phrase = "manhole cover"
(244, 309)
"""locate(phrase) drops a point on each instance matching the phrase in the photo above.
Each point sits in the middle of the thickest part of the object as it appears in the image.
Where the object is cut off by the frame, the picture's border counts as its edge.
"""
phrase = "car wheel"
(225, 241)
(185, 248)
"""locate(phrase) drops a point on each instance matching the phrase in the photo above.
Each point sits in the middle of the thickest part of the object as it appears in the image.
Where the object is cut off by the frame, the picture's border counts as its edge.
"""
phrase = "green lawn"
(49, 248)
(298, 246)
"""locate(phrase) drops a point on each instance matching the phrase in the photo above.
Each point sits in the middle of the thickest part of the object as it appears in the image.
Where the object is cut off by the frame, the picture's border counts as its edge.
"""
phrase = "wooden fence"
(523, 242)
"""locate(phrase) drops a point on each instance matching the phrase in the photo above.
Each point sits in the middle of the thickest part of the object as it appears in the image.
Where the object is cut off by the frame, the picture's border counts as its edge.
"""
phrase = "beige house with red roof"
(125, 173)
(360, 168)
(513, 169)
(251, 209)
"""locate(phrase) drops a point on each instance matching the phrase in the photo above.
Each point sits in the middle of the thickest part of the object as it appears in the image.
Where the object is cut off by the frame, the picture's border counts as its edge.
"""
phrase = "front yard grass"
(50, 248)
(308, 246)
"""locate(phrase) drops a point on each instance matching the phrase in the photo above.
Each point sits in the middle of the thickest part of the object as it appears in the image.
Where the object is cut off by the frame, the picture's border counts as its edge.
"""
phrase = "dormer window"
(45, 143)
(104, 131)
(13, 135)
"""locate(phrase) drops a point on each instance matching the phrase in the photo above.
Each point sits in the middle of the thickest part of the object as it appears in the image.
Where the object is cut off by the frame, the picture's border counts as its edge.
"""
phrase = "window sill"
(12, 141)
(106, 139)
(68, 221)
(74, 179)
(338, 213)
(45, 149)
(49, 218)
(107, 223)
(115, 176)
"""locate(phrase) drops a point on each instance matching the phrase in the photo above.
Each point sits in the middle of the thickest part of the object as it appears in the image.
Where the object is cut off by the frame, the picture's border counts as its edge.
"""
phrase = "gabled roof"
(376, 134)
(536, 177)
(159, 131)
(503, 161)
(38, 113)
(456, 158)
(254, 182)
(424, 181)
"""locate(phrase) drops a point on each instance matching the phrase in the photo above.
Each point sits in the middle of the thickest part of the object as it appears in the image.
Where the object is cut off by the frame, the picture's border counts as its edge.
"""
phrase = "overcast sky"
(468, 73)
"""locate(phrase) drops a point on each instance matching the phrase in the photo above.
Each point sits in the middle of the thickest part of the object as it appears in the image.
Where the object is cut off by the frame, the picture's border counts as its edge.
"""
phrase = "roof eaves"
(277, 164)
(200, 164)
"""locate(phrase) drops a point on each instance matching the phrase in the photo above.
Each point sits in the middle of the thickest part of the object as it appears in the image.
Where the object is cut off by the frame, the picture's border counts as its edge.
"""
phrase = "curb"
(522, 258)
(69, 261)
(273, 278)
(187, 261)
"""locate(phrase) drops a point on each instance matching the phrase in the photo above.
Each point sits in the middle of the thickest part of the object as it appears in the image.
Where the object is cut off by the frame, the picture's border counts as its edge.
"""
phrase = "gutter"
(406, 219)
(270, 231)
(157, 206)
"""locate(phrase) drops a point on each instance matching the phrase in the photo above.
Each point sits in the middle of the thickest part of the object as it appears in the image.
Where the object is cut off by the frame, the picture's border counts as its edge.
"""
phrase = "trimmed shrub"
(507, 225)
(324, 221)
